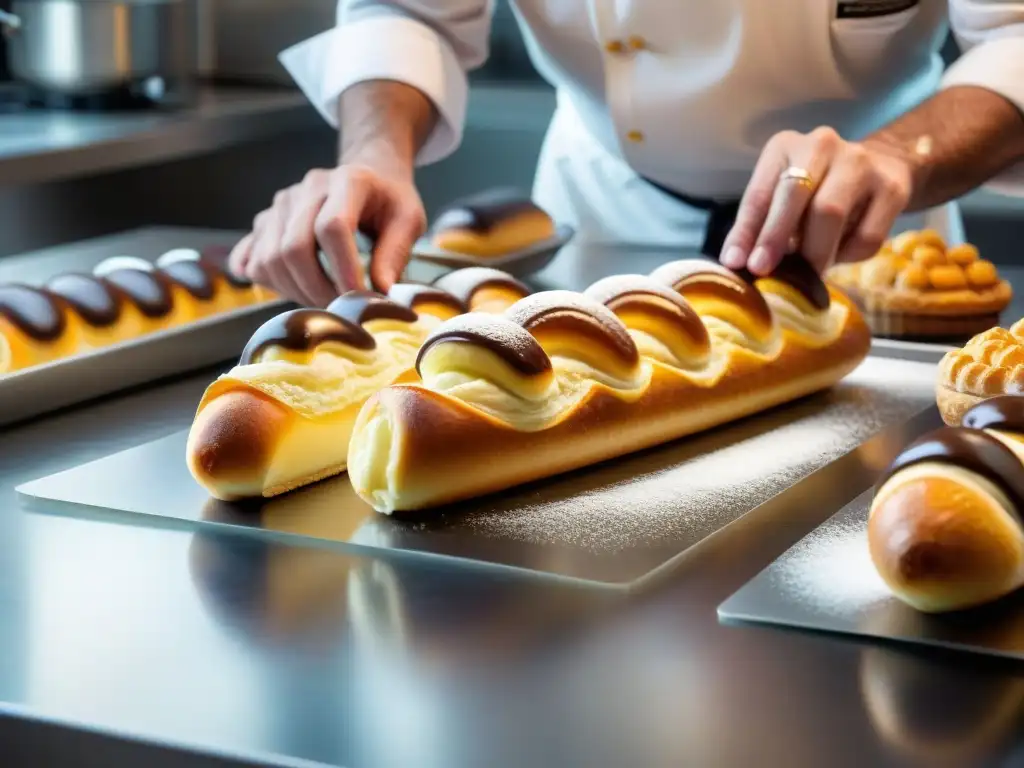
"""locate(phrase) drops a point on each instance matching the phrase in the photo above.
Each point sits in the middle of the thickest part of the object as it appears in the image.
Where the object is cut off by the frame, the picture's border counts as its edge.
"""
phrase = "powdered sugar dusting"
(830, 571)
(677, 495)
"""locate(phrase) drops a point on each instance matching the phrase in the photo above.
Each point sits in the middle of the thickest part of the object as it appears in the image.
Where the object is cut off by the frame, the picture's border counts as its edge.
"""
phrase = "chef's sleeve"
(991, 36)
(427, 44)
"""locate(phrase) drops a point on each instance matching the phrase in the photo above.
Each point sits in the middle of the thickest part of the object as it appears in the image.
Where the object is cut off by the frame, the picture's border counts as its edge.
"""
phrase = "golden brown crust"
(990, 364)
(449, 450)
(939, 545)
(916, 286)
(509, 235)
(191, 292)
(232, 441)
(953, 405)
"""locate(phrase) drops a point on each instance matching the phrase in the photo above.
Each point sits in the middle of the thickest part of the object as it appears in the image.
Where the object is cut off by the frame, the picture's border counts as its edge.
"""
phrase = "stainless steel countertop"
(37, 146)
(239, 646)
(40, 146)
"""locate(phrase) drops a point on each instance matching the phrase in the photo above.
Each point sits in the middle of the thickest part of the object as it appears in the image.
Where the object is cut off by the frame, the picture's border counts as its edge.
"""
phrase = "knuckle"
(825, 137)
(280, 198)
(259, 220)
(330, 227)
(315, 177)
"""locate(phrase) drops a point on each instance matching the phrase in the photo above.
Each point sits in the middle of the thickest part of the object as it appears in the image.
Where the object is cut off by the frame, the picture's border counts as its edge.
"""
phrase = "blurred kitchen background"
(209, 126)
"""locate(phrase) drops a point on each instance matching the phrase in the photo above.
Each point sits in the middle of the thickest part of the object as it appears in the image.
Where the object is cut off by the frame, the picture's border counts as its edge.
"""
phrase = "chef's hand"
(325, 210)
(841, 211)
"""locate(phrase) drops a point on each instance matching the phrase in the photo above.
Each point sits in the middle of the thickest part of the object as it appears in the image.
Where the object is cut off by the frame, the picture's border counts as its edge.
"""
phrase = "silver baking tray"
(613, 525)
(69, 381)
(827, 583)
(518, 263)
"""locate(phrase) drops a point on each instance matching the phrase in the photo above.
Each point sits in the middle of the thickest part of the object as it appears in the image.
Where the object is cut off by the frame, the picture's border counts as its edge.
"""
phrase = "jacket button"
(637, 43)
(614, 46)
(635, 136)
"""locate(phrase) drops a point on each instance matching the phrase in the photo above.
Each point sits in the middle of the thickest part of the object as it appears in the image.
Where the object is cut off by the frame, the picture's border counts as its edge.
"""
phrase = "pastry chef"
(742, 127)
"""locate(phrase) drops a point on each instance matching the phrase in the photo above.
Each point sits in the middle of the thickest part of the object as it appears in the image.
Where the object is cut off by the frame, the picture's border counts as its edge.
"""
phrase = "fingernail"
(733, 257)
(760, 261)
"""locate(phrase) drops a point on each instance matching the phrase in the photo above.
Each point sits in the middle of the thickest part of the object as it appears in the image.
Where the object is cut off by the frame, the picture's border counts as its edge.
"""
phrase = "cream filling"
(818, 329)
(373, 458)
(336, 376)
(573, 380)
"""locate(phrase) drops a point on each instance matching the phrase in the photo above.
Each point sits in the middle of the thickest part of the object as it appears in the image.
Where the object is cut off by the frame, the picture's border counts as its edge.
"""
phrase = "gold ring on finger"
(799, 175)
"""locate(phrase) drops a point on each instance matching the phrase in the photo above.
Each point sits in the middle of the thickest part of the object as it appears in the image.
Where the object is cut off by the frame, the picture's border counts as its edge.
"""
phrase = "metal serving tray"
(73, 380)
(615, 524)
(826, 582)
(519, 263)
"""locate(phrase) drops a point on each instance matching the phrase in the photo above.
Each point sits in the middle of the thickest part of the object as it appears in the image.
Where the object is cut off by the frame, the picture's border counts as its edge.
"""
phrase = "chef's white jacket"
(682, 92)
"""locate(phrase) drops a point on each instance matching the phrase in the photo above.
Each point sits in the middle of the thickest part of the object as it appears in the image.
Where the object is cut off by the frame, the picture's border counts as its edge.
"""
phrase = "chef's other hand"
(830, 199)
(325, 210)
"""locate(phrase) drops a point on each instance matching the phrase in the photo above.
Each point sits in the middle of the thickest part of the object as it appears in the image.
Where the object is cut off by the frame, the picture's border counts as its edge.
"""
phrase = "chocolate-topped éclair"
(795, 271)
(463, 283)
(362, 306)
(483, 211)
(413, 295)
(695, 279)
(574, 314)
(147, 290)
(970, 449)
(1002, 413)
(32, 312)
(97, 303)
(197, 278)
(628, 295)
(217, 256)
(299, 330)
(506, 339)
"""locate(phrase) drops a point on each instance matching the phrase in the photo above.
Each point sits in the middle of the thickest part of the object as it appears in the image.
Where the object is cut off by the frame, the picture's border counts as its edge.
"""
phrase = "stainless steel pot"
(86, 47)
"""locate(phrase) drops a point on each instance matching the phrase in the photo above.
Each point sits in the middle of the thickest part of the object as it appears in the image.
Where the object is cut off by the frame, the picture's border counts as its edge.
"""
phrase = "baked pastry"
(482, 289)
(990, 364)
(281, 419)
(945, 528)
(917, 287)
(124, 298)
(562, 380)
(491, 223)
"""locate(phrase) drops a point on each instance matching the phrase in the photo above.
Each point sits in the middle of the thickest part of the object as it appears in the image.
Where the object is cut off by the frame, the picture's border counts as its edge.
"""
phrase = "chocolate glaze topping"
(622, 293)
(1005, 413)
(302, 329)
(195, 277)
(148, 290)
(217, 256)
(463, 283)
(362, 306)
(32, 312)
(576, 314)
(98, 304)
(973, 450)
(696, 276)
(411, 295)
(506, 339)
(482, 211)
(796, 271)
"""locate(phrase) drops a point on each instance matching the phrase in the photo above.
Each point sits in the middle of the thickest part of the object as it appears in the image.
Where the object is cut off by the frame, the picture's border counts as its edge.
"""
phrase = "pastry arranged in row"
(990, 364)
(918, 287)
(946, 526)
(492, 223)
(123, 298)
(563, 380)
(282, 417)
